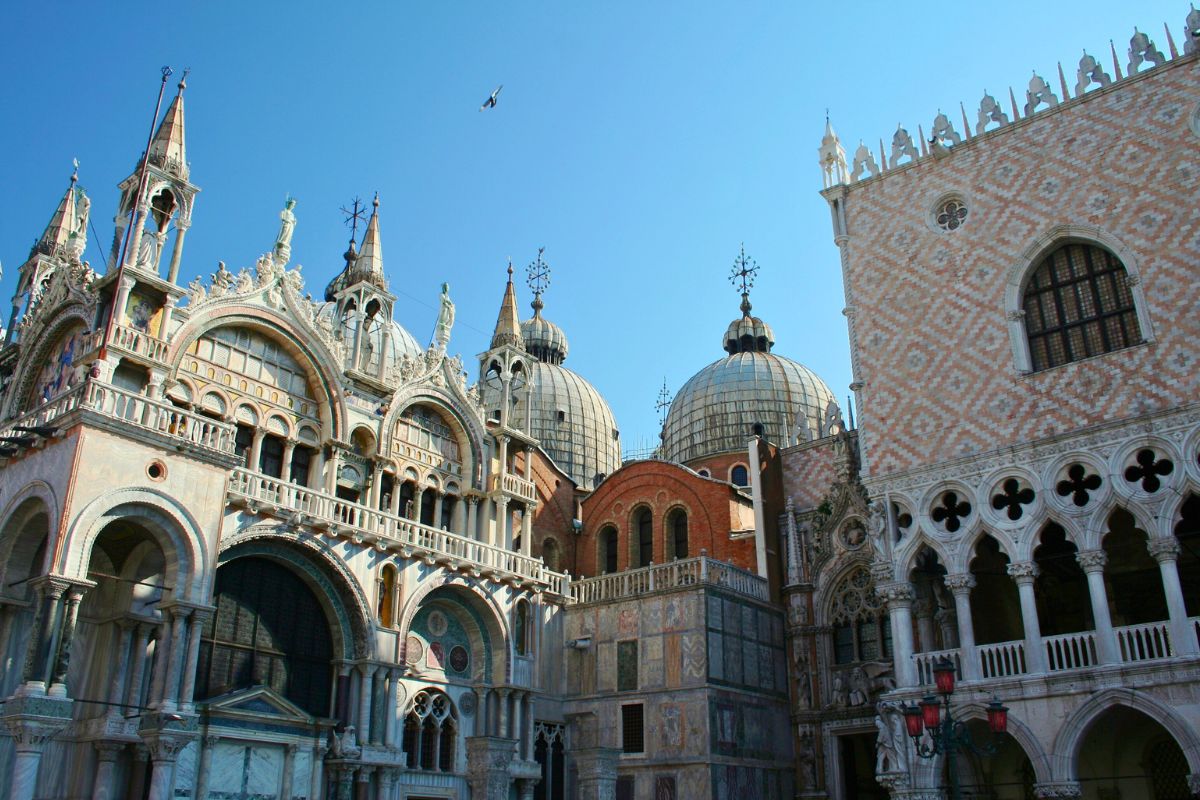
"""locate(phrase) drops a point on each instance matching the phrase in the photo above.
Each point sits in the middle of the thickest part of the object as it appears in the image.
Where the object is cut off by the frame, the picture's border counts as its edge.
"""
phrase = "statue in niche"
(148, 251)
(839, 695)
(445, 320)
(891, 745)
(283, 242)
(806, 755)
(878, 525)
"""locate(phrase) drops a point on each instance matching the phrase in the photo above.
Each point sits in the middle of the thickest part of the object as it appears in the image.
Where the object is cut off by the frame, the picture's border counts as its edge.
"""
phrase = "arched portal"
(23, 541)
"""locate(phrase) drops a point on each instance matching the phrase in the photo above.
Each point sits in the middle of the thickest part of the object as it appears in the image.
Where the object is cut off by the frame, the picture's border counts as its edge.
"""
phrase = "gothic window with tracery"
(1078, 303)
(430, 732)
(861, 631)
(425, 428)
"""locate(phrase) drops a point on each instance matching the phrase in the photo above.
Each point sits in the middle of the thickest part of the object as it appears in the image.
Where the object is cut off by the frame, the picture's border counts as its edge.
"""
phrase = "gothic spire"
(369, 264)
(508, 326)
(168, 150)
(66, 233)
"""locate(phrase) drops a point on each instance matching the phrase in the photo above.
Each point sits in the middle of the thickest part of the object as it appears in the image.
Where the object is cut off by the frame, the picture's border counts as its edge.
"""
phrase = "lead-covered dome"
(567, 415)
(751, 392)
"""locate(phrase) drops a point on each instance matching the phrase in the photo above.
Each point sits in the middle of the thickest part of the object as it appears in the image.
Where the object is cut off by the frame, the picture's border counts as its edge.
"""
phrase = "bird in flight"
(491, 101)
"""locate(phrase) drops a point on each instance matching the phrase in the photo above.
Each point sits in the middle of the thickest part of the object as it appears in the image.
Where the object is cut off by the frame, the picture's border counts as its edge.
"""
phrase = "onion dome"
(543, 339)
(751, 392)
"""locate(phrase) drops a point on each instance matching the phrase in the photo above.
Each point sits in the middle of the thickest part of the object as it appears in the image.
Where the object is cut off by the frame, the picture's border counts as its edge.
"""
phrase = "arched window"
(861, 631)
(643, 525)
(522, 632)
(677, 530)
(430, 732)
(1078, 303)
(739, 476)
(607, 560)
(387, 595)
(270, 456)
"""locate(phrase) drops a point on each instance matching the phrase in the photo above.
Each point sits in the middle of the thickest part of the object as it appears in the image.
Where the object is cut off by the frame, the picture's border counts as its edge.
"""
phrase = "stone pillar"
(899, 597)
(164, 750)
(207, 745)
(289, 766)
(316, 786)
(418, 498)
(33, 721)
(158, 674)
(344, 788)
(138, 663)
(170, 692)
(515, 731)
(499, 533)
(437, 509)
(488, 759)
(367, 673)
(437, 746)
(188, 687)
(527, 530)
(1092, 562)
(62, 657)
(43, 644)
(387, 781)
(1024, 573)
(960, 586)
(106, 757)
(502, 715)
(121, 668)
(137, 778)
(181, 229)
(389, 709)
(289, 450)
(1183, 637)
(597, 772)
(923, 609)
(164, 322)
(333, 466)
(372, 498)
(255, 462)
(362, 783)
(472, 530)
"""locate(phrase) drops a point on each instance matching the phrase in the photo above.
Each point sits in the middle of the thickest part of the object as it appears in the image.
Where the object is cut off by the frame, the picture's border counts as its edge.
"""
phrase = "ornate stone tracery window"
(861, 631)
(951, 213)
(430, 732)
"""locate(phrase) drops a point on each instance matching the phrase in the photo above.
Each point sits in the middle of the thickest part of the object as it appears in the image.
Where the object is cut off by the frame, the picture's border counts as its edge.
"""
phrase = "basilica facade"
(260, 544)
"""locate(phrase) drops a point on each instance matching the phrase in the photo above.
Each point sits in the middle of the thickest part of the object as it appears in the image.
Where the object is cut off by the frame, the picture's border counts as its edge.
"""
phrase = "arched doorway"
(23, 541)
(1126, 753)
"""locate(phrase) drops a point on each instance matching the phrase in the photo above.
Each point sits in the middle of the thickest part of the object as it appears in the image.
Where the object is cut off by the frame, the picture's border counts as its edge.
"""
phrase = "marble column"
(137, 777)
(1183, 637)
(899, 598)
(255, 460)
(33, 721)
(362, 783)
(164, 751)
(43, 642)
(472, 530)
(316, 785)
(387, 782)
(516, 722)
(142, 633)
(188, 686)
(960, 586)
(527, 530)
(367, 673)
(1092, 562)
(181, 229)
(106, 758)
(116, 689)
(289, 766)
(168, 310)
(923, 610)
(499, 533)
(488, 759)
(170, 694)
(289, 450)
(502, 716)
(62, 656)
(204, 770)
(389, 709)
(158, 673)
(437, 510)
(1024, 573)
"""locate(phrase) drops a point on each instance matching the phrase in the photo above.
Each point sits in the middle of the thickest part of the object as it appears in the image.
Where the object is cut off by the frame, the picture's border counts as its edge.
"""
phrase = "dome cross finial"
(537, 277)
(745, 270)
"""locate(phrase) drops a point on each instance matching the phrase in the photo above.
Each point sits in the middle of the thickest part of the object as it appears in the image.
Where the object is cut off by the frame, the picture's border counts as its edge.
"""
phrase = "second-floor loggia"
(1134, 599)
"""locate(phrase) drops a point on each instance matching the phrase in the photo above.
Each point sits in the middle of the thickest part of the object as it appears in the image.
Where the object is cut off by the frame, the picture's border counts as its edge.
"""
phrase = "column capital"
(367, 669)
(895, 594)
(1092, 560)
(166, 746)
(1023, 571)
(108, 751)
(1163, 550)
(959, 582)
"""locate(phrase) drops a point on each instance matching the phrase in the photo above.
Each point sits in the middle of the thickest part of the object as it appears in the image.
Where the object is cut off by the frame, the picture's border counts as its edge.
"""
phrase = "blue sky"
(639, 143)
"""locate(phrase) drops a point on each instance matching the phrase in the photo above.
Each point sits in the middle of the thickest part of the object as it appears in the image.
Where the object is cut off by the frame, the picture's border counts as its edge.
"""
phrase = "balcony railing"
(163, 420)
(411, 539)
(927, 661)
(1002, 659)
(515, 485)
(140, 343)
(1144, 642)
(1071, 651)
(683, 573)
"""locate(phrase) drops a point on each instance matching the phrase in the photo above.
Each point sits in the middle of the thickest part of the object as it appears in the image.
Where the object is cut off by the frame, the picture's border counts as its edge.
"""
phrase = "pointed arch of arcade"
(906, 559)
(173, 528)
(44, 338)
(1023, 735)
(449, 404)
(486, 610)
(1065, 755)
(323, 370)
(343, 599)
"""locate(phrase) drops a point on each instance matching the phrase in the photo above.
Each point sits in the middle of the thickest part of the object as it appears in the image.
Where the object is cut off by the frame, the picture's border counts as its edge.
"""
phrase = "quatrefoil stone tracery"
(950, 511)
(1012, 498)
(1078, 485)
(1147, 469)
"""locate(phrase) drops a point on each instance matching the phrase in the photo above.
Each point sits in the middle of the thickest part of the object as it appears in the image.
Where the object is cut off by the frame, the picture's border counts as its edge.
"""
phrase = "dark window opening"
(644, 521)
(632, 732)
(270, 456)
(739, 476)
(301, 464)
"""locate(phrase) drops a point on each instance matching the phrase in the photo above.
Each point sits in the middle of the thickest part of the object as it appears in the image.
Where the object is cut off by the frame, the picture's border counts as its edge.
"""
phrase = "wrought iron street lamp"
(947, 736)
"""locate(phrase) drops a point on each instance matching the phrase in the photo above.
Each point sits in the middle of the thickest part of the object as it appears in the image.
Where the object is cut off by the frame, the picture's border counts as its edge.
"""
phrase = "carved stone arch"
(968, 544)
(1170, 514)
(324, 370)
(324, 571)
(42, 338)
(448, 404)
(1076, 534)
(181, 538)
(490, 615)
(1020, 271)
(1128, 450)
(289, 430)
(906, 558)
(1098, 524)
(36, 497)
(1024, 736)
(1065, 753)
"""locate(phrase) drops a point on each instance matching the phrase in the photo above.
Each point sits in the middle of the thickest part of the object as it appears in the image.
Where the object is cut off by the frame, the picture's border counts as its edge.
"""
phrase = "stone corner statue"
(283, 242)
(445, 320)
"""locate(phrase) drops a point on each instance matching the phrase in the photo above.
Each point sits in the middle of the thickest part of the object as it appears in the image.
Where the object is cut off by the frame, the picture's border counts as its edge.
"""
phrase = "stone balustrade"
(685, 572)
(140, 343)
(301, 505)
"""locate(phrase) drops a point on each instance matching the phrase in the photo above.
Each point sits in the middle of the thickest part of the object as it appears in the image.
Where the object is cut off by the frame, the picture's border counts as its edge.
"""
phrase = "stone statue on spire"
(283, 242)
(445, 320)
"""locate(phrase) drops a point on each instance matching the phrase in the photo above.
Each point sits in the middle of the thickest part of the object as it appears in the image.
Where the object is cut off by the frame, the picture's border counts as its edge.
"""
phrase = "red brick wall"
(555, 511)
(930, 336)
(662, 486)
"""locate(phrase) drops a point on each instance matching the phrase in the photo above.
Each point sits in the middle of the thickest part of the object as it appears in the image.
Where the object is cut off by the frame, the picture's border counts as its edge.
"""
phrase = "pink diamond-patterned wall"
(930, 330)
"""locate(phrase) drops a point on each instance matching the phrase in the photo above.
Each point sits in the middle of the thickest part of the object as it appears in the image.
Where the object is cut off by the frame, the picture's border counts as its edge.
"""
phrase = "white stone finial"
(902, 145)
(1039, 92)
(1141, 50)
(989, 112)
(1090, 72)
(832, 156)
